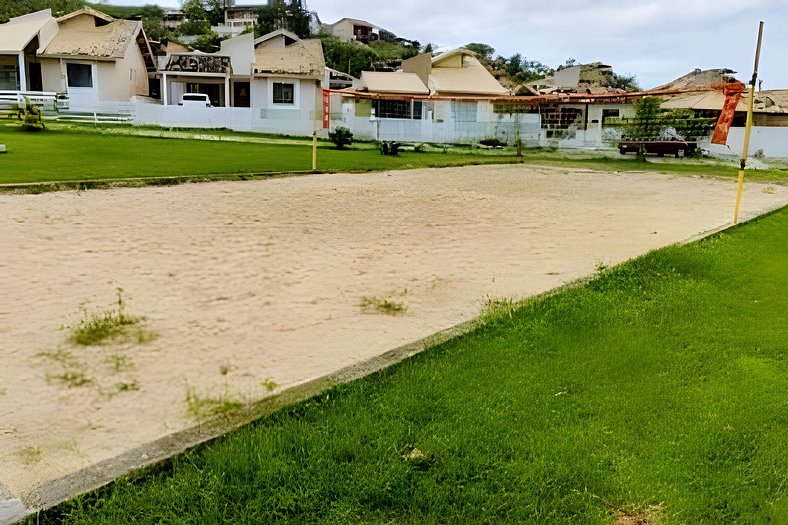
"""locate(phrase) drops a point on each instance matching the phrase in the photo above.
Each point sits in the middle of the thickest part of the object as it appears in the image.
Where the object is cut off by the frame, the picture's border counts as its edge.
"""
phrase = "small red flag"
(732, 93)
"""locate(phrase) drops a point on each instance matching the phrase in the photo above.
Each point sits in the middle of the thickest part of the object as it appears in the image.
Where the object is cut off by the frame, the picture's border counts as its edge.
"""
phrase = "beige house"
(20, 39)
(453, 85)
(348, 29)
(96, 59)
(448, 98)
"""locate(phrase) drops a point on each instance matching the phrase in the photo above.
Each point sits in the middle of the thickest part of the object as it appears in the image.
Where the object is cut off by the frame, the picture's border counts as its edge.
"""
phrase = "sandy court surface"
(254, 282)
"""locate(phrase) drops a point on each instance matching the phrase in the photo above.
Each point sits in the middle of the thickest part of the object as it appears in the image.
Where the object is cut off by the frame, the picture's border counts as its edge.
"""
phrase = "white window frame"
(93, 75)
(296, 104)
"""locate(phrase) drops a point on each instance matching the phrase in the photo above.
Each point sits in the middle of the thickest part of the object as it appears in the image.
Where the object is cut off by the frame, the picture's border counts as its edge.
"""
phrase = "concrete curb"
(141, 460)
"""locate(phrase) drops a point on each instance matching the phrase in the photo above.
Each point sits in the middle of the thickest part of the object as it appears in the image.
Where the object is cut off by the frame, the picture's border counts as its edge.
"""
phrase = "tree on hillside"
(483, 50)
(214, 10)
(284, 14)
(349, 57)
(626, 82)
(195, 18)
(12, 8)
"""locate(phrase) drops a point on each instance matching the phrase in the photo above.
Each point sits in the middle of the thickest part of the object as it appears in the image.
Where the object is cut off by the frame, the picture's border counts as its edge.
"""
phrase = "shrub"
(341, 137)
(31, 117)
(493, 143)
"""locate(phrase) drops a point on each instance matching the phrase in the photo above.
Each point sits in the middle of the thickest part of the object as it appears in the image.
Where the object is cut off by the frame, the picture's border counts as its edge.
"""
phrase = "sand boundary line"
(152, 456)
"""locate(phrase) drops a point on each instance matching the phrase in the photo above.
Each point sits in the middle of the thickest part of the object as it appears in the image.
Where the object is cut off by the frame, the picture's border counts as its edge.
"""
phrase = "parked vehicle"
(679, 148)
(195, 99)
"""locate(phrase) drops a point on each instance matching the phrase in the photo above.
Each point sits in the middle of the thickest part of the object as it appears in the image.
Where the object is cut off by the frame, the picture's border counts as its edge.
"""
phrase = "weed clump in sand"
(201, 407)
(110, 325)
(385, 305)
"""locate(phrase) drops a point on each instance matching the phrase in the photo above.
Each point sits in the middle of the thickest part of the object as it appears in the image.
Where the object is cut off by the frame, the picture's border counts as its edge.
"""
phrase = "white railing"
(46, 100)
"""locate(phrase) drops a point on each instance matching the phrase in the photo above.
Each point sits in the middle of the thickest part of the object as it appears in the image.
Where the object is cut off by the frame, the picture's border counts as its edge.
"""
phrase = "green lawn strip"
(68, 154)
(658, 388)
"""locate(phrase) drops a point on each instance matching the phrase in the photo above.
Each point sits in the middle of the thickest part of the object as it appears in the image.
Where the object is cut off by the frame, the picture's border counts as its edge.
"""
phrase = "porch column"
(227, 92)
(164, 88)
(22, 73)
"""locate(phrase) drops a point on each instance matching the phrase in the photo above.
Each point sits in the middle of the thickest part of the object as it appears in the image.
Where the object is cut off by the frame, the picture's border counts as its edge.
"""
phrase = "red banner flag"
(326, 109)
(733, 93)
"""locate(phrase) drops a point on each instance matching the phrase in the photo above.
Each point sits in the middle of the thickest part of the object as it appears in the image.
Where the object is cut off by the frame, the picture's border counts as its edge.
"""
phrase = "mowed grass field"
(653, 394)
(61, 155)
(67, 155)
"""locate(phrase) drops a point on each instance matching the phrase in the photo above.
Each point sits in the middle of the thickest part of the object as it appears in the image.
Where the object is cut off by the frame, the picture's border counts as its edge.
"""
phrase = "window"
(284, 93)
(8, 78)
(391, 108)
(609, 113)
(79, 75)
(464, 111)
(561, 117)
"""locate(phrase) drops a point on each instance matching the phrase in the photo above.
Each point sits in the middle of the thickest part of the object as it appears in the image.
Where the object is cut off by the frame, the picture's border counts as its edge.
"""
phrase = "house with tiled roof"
(96, 58)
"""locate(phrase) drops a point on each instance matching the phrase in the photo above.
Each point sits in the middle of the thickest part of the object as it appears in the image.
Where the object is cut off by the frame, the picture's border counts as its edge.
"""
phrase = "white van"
(195, 99)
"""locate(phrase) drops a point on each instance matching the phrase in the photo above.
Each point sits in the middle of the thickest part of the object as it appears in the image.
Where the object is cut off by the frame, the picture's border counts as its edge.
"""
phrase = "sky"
(656, 40)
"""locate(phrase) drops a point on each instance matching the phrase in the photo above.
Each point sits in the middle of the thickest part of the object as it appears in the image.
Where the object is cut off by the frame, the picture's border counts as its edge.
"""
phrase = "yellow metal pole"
(748, 128)
(314, 150)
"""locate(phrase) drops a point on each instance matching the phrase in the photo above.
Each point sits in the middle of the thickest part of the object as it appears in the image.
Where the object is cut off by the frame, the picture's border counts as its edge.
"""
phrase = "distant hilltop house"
(348, 29)
(238, 17)
(595, 77)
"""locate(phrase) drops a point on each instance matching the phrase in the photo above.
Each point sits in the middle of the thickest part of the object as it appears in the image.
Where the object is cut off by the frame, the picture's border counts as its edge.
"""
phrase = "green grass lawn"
(658, 388)
(62, 154)
(66, 155)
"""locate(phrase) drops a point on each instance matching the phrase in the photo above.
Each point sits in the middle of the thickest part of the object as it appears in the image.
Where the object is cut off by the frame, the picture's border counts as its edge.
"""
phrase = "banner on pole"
(732, 93)
(326, 109)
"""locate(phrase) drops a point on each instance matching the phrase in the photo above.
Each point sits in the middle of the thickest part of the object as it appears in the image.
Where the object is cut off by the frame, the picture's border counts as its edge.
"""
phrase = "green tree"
(284, 14)
(647, 123)
(626, 82)
(195, 18)
(208, 42)
(350, 57)
(483, 50)
(214, 9)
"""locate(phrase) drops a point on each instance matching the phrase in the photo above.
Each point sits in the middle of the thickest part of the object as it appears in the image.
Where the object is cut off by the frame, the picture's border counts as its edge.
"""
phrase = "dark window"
(609, 113)
(8, 78)
(417, 110)
(80, 75)
(561, 117)
(391, 108)
(284, 93)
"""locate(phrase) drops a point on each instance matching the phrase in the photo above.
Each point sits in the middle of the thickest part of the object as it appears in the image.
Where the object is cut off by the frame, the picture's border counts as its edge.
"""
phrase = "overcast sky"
(656, 40)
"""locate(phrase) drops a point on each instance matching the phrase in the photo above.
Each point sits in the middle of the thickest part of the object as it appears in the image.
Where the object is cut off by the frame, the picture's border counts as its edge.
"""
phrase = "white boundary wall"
(772, 140)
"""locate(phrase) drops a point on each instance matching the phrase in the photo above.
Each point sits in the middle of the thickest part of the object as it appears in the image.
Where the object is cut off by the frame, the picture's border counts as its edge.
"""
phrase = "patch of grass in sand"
(30, 455)
(269, 384)
(201, 407)
(72, 378)
(659, 384)
(382, 305)
(128, 386)
(110, 325)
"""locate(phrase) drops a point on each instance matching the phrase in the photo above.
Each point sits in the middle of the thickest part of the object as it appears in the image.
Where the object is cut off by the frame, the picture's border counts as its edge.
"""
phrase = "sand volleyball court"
(249, 288)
